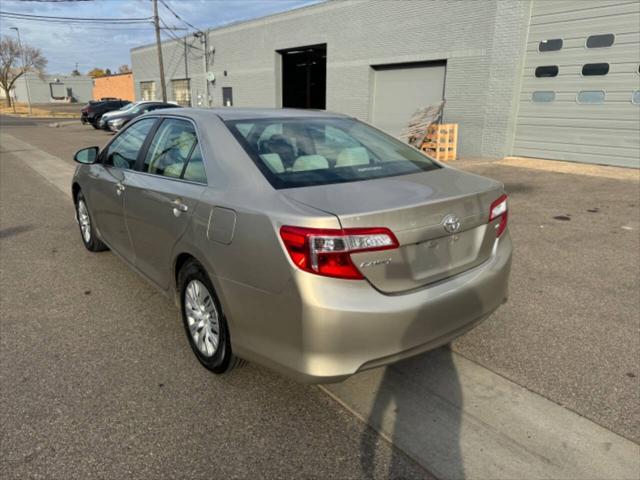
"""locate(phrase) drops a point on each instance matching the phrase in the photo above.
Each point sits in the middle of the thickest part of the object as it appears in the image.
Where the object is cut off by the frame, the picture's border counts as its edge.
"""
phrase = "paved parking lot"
(97, 379)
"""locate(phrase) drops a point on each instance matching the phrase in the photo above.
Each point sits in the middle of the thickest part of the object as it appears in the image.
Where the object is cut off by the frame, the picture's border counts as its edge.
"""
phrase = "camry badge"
(451, 223)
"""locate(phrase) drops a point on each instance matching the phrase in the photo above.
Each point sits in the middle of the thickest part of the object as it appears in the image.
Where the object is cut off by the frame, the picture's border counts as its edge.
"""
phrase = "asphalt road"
(103, 383)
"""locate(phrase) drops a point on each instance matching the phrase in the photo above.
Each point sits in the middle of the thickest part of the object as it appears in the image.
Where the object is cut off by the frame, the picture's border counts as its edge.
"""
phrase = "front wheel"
(204, 322)
(87, 230)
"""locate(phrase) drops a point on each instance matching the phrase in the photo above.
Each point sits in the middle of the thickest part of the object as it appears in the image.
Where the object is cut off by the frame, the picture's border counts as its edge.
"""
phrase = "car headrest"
(309, 162)
(349, 157)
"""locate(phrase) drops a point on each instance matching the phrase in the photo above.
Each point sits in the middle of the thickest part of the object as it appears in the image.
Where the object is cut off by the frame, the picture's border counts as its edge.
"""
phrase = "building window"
(543, 96)
(600, 41)
(591, 96)
(148, 90)
(591, 69)
(547, 71)
(181, 92)
(550, 45)
(227, 96)
(635, 97)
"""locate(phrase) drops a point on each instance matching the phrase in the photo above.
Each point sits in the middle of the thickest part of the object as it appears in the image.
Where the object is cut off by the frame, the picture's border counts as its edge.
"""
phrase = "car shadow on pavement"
(417, 407)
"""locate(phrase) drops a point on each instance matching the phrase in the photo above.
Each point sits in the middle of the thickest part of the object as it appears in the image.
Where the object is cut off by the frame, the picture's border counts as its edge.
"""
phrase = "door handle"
(119, 188)
(178, 207)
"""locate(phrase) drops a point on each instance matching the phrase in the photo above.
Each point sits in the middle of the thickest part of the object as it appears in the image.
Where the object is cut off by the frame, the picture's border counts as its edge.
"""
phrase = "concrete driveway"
(97, 379)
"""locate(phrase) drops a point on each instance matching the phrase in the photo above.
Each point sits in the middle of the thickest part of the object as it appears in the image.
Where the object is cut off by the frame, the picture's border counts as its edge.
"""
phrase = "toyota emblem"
(451, 223)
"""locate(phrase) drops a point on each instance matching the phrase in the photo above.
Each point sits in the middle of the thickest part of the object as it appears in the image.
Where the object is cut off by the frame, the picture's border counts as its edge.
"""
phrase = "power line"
(26, 16)
(178, 16)
(169, 32)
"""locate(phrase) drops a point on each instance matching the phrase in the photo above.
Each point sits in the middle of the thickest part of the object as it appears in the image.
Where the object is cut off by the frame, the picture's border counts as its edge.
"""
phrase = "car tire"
(87, 230)
(199, 305)
(96, 122)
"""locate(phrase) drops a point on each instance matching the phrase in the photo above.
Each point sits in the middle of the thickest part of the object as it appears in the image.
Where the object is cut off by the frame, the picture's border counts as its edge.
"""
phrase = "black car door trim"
(145, 145)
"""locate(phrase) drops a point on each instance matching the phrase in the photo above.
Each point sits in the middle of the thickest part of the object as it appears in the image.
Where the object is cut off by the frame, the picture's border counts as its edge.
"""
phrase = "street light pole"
(26, 82)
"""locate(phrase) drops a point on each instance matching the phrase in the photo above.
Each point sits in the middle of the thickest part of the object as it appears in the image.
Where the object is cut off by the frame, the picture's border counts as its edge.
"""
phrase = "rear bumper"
(323, 330)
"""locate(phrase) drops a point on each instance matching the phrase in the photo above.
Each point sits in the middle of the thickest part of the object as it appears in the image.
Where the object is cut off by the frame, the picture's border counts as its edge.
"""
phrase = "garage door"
(399, 90)
(579, 99)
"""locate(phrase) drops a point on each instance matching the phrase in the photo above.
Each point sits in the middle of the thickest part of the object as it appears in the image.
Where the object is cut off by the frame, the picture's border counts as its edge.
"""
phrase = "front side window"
(123, 151)
(298, 152)
(170, 148)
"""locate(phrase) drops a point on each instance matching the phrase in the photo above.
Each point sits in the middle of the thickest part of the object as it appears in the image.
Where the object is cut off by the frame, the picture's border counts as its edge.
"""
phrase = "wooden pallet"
(442, 141)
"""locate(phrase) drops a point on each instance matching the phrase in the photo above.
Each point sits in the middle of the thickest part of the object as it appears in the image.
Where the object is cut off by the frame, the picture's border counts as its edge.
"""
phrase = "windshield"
(129, 106)
(299, 152)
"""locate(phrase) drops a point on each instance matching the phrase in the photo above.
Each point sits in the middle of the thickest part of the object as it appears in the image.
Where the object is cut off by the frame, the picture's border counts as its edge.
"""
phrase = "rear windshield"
(300, 152)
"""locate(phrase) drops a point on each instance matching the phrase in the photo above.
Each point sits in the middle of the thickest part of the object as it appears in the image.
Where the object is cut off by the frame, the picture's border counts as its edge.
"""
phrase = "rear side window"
(123, 151)
(170, 148)
(194, 171)
(298, 152)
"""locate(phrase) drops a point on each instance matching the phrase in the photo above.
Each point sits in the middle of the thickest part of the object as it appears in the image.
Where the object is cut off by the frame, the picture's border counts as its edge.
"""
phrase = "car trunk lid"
(415, 207)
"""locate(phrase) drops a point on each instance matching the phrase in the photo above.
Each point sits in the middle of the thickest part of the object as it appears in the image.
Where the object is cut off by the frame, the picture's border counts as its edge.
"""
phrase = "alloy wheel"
(202, 317)
(85, 221)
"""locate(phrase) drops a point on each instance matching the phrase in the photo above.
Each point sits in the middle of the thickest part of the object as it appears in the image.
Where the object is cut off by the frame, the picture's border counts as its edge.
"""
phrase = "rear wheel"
(204, 322)
(87, 230)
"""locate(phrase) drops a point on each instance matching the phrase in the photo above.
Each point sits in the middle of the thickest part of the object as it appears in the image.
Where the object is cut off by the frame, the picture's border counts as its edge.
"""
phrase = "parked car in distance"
(116, 120)
(305, 241)
(93, 111)
(105, 117)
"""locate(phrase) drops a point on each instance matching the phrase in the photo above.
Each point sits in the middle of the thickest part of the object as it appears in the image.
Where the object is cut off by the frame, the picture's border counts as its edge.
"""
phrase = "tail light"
(499, 210)
(327, 252)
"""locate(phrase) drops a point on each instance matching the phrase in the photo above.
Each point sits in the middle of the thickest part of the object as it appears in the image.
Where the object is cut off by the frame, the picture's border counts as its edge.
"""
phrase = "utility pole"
(156, 24)
(24, 63)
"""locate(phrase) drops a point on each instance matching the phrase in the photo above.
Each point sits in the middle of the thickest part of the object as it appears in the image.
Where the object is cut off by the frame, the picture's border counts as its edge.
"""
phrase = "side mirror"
(86, 155)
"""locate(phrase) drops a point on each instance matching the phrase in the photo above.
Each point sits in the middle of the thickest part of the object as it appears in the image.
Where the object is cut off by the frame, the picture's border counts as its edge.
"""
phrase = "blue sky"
(108, 46)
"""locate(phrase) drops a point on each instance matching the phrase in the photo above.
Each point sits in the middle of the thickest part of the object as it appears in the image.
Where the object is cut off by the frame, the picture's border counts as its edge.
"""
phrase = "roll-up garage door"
(399, 90)
(580, 98)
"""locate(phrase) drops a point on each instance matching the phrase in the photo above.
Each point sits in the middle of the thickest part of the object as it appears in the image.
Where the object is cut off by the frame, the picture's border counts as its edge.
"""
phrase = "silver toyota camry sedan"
(305, 241)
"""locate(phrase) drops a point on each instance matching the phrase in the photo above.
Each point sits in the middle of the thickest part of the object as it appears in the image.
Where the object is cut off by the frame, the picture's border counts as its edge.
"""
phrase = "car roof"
(234, 113)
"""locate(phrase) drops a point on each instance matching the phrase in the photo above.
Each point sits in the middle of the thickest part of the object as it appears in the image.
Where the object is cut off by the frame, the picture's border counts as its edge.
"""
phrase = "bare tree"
(124, 69)
(11, 66)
